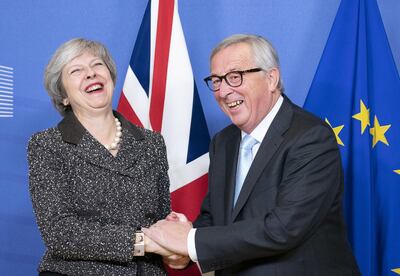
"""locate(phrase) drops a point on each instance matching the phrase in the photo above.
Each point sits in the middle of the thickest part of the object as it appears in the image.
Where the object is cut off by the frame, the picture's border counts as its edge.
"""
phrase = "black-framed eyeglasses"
(233, 79)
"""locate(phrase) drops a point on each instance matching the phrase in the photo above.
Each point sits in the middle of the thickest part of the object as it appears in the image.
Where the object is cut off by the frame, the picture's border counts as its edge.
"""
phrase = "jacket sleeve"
(163, 178)
(310, 188)
(205, 217)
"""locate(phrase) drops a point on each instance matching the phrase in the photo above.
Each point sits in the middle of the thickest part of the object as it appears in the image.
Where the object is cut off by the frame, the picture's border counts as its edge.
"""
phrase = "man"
(286, 217)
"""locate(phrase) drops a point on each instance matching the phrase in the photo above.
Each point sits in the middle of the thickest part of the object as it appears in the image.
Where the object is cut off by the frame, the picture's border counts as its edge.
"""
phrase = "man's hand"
(173, 260)
(171, 235)
(153, 247)
(176, 261)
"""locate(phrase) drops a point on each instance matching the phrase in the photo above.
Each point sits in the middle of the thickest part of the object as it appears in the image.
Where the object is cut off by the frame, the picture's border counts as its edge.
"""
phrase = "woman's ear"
(66, 102)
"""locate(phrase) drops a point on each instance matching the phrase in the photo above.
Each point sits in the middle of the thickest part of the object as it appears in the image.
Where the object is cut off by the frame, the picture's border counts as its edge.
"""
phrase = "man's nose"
(224, 89)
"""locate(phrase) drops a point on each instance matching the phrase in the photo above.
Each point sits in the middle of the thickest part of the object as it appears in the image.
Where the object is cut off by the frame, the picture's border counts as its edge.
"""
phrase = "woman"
(95, 179)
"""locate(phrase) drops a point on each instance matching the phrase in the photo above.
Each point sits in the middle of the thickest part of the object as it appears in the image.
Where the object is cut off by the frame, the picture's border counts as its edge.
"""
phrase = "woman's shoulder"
(46, 133)
(140, 132)
(49, 135)
(151, 134)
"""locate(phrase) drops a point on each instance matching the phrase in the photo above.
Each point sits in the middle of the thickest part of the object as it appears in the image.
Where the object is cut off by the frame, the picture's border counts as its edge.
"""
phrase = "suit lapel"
(89, 149)
(232, 150)
(130, 153)
(268, 147)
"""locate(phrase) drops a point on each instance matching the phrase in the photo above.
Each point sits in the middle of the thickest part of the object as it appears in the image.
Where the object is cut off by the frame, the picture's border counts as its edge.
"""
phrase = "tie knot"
(248, 142)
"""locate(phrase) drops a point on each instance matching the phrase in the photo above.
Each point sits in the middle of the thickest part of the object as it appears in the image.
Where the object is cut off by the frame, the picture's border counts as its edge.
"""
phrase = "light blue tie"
(244, 163)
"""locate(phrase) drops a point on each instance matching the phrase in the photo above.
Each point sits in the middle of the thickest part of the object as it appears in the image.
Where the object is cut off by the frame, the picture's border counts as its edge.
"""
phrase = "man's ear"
(273, 77)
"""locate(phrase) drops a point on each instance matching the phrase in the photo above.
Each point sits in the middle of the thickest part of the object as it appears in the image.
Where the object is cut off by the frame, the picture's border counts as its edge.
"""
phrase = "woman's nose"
(90, 73)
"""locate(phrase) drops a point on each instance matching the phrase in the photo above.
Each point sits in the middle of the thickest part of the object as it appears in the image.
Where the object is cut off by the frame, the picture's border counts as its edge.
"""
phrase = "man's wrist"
(191, 245)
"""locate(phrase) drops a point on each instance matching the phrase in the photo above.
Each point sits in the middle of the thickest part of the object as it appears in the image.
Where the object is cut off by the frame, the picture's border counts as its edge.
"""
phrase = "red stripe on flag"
(161, 55)
(188, 199)
(125, 109)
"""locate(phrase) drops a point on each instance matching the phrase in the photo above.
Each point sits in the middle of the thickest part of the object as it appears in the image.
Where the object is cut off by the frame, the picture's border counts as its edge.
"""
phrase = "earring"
(66, 102)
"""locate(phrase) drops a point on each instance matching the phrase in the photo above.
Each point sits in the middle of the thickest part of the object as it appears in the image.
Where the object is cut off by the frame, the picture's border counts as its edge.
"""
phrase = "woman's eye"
(75, 71)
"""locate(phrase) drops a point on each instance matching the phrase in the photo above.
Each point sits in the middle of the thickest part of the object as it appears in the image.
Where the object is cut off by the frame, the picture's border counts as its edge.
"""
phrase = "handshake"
(168, 238)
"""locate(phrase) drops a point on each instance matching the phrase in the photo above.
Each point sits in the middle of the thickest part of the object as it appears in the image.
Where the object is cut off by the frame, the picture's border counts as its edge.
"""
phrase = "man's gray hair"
(265, 55)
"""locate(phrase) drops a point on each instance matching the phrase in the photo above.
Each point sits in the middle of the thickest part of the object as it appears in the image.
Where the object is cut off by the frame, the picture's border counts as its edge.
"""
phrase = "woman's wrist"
(139, 247)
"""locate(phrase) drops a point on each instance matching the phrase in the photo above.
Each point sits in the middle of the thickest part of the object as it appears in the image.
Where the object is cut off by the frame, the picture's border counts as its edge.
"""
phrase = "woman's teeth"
(94, 88)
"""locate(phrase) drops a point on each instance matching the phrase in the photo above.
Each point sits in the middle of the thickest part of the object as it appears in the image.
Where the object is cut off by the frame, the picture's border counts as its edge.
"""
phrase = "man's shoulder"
(227, 132)
(305, 125)
(293, 122)
(305, 119)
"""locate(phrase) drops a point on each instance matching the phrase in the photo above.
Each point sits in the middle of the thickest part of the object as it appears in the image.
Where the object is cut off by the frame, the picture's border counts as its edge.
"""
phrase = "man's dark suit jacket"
(288, 218)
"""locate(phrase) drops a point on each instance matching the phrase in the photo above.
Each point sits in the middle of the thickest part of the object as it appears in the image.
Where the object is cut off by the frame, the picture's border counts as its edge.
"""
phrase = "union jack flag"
(160, 93)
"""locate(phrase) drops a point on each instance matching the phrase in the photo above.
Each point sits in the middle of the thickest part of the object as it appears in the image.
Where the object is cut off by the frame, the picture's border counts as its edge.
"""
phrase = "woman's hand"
(176, 261)
(172, 259)
(173, 216)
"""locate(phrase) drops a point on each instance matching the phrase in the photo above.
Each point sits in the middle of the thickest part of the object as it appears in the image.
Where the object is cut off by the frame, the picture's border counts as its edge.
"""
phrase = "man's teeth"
(235, 103)
(94, 87)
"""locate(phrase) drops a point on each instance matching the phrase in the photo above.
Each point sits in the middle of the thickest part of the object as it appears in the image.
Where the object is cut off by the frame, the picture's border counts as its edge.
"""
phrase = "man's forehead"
(232, 58)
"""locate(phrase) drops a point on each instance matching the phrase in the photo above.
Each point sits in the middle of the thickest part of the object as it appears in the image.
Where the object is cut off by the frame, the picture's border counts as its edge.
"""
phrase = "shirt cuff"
(191, 245)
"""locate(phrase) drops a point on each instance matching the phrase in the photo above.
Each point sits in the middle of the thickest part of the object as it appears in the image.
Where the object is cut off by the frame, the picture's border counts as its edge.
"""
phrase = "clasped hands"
(168, 238)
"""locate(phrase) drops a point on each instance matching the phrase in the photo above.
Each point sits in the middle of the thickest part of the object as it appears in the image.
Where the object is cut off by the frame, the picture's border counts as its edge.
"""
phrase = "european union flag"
(356, 89)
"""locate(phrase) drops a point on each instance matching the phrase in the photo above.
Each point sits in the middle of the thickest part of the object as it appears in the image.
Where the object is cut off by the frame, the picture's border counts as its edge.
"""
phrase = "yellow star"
(396, 270)
(362, 116)
(397, 171)
(378, 132)
(337, 131)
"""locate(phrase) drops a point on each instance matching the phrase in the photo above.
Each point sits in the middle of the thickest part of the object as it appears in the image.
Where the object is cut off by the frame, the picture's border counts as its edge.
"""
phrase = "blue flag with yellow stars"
(356, 90)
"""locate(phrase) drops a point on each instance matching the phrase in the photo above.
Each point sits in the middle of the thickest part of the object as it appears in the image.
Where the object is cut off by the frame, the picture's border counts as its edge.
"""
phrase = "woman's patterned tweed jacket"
(88, 203)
